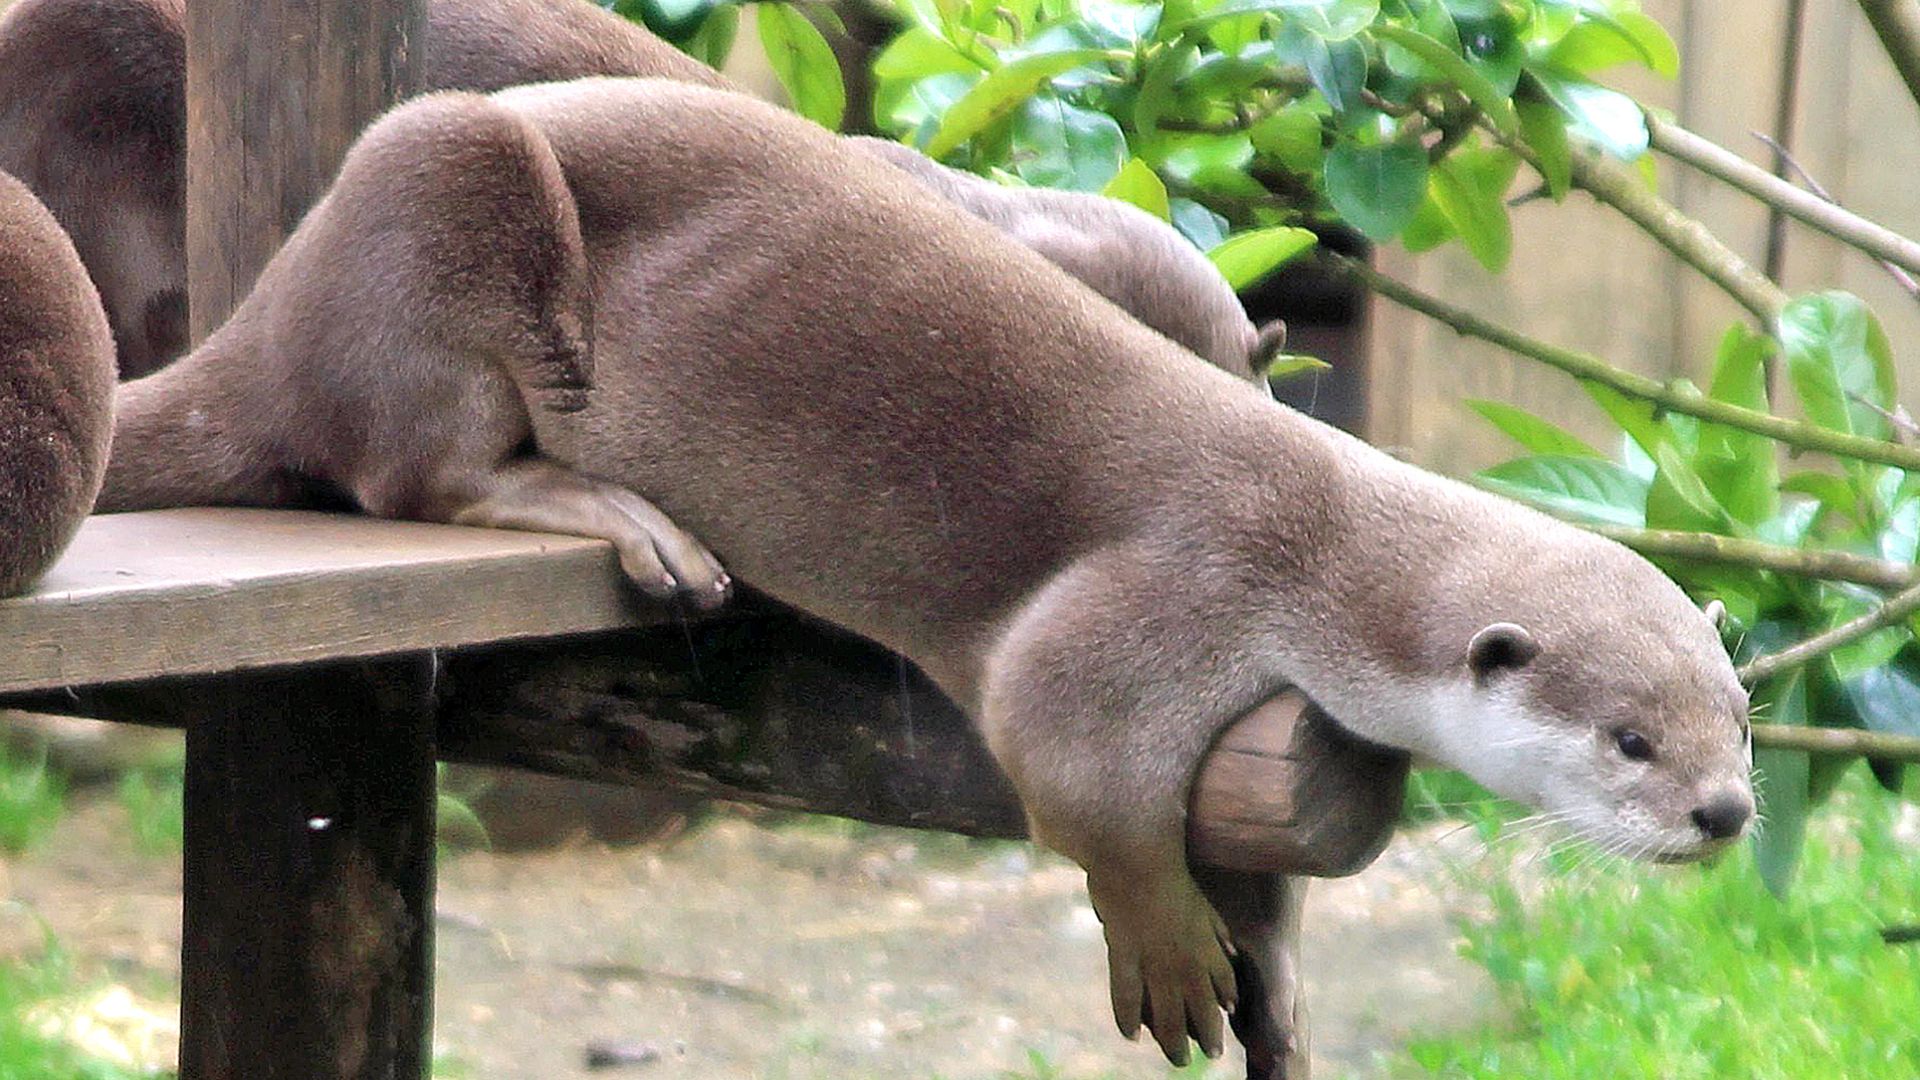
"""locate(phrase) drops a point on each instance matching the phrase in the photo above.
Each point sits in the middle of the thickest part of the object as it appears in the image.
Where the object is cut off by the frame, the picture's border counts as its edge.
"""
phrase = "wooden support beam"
(307, 950)
(767, 707)
(276, 92)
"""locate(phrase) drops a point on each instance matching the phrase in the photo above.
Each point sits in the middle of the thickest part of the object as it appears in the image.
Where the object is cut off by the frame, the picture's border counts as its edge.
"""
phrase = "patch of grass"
(32, 798)
(1691, 974)
(154, 798)
(26, 1053)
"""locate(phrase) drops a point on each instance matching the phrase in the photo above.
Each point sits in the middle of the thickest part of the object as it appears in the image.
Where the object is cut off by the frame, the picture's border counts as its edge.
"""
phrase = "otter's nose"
(1723, 816)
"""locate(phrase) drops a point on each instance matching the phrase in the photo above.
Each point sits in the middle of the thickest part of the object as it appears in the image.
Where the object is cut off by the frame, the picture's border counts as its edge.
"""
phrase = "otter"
(56, 389)
(92, 117)
(652, 312)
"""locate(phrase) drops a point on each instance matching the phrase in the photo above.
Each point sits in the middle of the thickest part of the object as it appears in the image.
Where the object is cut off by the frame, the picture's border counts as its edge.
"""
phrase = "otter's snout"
(1724, 816)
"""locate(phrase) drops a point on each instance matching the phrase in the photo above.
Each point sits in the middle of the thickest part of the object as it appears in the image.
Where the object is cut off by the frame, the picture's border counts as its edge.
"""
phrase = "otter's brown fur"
(56, 389)
(92, 117)
(622, 308)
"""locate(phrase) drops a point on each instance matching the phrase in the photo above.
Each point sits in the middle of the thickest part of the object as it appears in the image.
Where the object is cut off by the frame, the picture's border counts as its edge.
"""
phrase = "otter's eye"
(1633, 745)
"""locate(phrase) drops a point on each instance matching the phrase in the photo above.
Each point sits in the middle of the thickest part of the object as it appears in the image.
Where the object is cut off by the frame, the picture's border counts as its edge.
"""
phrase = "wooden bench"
(321, 664)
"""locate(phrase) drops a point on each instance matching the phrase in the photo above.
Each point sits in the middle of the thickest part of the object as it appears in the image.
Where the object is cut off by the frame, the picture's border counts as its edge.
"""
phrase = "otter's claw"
(1168, 969)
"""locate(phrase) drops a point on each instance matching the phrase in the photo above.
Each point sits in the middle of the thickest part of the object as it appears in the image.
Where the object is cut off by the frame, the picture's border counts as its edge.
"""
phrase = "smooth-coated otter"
(628, 308)
(56, 389)
(93, 118)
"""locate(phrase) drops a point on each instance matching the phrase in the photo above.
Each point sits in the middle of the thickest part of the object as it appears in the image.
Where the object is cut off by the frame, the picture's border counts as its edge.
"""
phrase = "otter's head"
(1583, 682)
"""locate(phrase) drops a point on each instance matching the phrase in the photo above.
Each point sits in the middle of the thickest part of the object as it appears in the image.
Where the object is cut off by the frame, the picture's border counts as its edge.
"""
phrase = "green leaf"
(675, 20)
(1138, 184)
(1585, 488)
(1429, 227)
(1287, 365)
(1606, 40)
(1454, 68)
(1201, 226)
(1605, 118)
(1331, 20)
(1633, 415)
(917, 110)
(1687, 485)
(1249, 256)
(1739, 467)
(1887, 697)
(1832, 492)
(1156, 97)
(1058, 145)
(1338, 70)
(1376, 188)
(1545, 130)
(916, 54)
(1836, 352)
(1784, 793)
(713, 42)
(1292, 137)
(804, 63)
(1533, 433)
(1006, 89)
(1470, 187)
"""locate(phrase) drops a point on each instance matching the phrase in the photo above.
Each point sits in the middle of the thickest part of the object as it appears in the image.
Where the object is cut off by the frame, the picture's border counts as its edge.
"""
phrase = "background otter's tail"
(56, 388)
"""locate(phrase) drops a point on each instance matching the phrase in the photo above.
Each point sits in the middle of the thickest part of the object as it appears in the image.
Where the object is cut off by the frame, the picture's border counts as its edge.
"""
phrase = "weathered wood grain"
(182, 592)
(307, 947)
(276, 92)
(768, 707)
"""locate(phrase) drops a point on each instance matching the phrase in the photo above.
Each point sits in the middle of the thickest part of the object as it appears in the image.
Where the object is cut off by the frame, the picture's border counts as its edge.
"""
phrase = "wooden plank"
(176, 592)
(276, 92)
(307, 948)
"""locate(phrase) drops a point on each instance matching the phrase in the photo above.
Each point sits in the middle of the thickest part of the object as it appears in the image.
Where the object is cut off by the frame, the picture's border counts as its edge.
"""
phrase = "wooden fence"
(1582, 276)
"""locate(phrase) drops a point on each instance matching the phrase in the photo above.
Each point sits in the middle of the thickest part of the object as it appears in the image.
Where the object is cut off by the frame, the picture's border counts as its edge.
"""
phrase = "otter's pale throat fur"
(706, 314)
(92, 116)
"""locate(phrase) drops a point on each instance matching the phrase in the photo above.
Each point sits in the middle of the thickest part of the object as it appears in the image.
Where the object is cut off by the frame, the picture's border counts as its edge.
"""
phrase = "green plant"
(154, 799)
(32, 798)
(1685, 974)
(27, 1051)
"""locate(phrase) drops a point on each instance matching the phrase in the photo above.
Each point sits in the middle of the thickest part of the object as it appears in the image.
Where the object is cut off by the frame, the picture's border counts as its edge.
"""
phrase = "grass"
(32, 798)
(26, 1053)
(154, 798)
(1690, 974)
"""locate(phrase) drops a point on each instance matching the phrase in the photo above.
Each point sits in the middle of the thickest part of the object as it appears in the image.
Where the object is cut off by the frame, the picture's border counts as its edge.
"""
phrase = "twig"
(1848, 741)
(1617, 186)
(1680, 399)
(1733, 551)
(1898, 607)
(1803, 206)
(1897, 22)
(1786, 104)
(1901, 277)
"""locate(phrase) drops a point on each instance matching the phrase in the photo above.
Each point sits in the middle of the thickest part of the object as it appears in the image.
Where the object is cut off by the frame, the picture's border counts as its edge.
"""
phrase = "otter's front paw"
(1168, 963)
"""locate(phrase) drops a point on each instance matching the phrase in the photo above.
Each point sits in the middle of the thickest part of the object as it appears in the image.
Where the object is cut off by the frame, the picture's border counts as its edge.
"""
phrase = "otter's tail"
(56, 388)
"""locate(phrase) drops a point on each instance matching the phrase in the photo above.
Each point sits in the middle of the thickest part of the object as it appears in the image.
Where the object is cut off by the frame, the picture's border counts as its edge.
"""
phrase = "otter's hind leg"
(544, 496)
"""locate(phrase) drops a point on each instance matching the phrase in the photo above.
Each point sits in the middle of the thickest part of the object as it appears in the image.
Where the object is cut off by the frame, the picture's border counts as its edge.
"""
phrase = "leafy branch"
(1684, 400)
(1897, 609)
(1754, 554)
(1845, 742)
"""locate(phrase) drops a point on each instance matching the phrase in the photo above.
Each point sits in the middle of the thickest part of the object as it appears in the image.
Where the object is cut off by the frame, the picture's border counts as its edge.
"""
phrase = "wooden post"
(276, 92)
(307, 946)
(307, 949)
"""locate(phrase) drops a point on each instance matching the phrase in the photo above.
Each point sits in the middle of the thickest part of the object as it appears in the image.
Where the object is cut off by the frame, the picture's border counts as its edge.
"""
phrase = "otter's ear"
(1716, 614)
(1269, 343)
(1503, 646)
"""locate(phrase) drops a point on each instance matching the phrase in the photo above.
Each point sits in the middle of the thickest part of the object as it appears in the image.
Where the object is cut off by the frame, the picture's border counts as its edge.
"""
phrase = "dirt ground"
(770, 948)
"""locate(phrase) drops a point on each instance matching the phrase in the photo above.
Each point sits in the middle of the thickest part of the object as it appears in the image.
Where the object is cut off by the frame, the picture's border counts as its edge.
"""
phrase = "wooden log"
(307, 949)
(276, 92)
(767, 707)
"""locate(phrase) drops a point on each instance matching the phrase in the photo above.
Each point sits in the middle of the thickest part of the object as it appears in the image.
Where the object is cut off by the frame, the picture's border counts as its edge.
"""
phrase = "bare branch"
(1901, 277)
(1850, 742)
(1682, 399)
(1733, 551)
(1803, 206)
(1897, 608)
(1897, 22)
